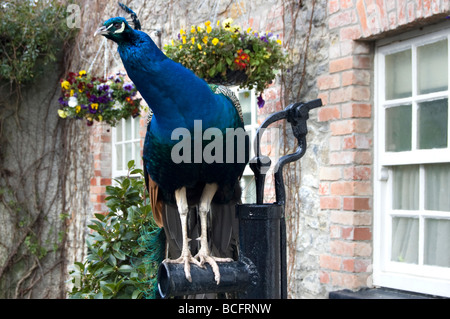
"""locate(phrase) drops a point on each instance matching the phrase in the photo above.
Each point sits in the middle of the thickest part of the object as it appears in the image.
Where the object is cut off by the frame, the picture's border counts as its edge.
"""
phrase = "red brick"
(342, 158)
(351, 188)
(341, 64)
(358, 173)
(342, 248)
(330, 262)
(324, 277)
(93, 181)
(356, 203)
(350, 126)
(328, 113)
(330, 202)
(362, 233)
(324, 188)
(357, 142)
(348, 265)
(330, 173)
(105, 181)
(342, 188)
(347, 280)
(333, 6)
(363, 158)
(355, 77)
(345, 4)
(341, 19)
(350, 33)
(356, 110)
(326, 82)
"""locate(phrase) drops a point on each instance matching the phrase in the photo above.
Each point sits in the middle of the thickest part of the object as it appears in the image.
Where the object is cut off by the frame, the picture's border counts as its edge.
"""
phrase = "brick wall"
(346, 178)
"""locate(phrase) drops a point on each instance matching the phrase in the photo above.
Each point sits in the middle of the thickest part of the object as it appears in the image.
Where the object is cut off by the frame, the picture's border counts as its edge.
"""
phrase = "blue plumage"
(179, 99)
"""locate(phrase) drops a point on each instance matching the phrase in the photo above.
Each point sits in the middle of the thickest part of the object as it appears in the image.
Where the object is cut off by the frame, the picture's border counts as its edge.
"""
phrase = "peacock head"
(116, 29)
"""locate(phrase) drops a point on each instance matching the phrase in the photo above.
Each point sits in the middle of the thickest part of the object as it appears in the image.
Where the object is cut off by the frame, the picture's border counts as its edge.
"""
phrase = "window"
(412, 179)
(126, 146)
(247, 99)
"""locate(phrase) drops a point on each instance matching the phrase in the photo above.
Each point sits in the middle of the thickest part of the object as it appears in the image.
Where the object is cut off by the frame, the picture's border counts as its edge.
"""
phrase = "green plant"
(119, 263)
(32, 33)
(218, 54)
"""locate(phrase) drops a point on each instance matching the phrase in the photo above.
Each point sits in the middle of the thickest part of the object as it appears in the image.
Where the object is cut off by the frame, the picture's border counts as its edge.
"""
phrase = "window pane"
(128, 152)
(137, 154)
(432, 67)
(405, 192)
(128, 129)
(119, 165)
(398, 128)
(245, 99)
(398, 75)
(136, 128)
(405, 240)
(437, 187)
(437, 242)
(433, 124)
(119, 131)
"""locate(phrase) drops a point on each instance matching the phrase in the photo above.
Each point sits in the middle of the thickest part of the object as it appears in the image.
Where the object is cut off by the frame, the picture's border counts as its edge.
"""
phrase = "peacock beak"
(103, 30)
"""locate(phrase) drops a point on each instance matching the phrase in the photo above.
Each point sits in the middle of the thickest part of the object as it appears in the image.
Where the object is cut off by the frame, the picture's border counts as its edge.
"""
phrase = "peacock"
(194, 151)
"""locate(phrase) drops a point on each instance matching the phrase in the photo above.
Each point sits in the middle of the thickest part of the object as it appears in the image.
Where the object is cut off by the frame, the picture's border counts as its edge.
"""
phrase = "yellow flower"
(208, 29)
(236, 29)
(100, 118)
(193, 40)
(62, 114)
(77, 109)
(215, 41)
(173, 44)
(227, 24)
(182, 32)
(72, 92)
(218, 23)
(94, 106)
(279, 41)
(65, 85)
(249, 30)
(184, 39)
(82, 72)
(199, 29)
(193, 29)
(207, 23)
(180, 47)
(199, 46)
(205, 39)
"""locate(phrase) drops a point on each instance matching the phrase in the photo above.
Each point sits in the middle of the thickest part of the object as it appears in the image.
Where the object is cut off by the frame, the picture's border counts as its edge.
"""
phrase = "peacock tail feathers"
(154, 245)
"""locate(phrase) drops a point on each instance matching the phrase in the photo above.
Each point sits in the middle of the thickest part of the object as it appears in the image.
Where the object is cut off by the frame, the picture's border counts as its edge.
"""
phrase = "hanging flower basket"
(229, 56)
(84, 97)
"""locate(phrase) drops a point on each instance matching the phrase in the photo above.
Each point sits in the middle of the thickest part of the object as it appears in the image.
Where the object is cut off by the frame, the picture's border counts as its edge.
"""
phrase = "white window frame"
(251, 128)
(117, 173)
(419, 278)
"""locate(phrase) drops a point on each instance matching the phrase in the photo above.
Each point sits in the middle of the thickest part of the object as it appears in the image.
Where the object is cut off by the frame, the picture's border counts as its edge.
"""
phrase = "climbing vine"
(38, 154)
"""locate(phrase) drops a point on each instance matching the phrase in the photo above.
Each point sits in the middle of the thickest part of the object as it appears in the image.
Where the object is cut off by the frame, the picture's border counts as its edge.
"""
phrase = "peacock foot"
(186, 259)
(204, 256)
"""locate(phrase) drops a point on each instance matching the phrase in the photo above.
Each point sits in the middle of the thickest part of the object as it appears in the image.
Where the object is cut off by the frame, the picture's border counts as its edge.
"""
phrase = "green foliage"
(30, 32)
(118, 264)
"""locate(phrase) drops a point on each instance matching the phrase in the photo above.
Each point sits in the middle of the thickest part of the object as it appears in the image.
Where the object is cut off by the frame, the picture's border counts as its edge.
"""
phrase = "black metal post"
(259, 240)
(237, 276)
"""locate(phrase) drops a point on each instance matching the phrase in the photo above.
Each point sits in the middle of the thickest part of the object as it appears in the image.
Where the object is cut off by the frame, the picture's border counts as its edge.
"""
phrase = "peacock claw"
(205, 257)
(185, 259)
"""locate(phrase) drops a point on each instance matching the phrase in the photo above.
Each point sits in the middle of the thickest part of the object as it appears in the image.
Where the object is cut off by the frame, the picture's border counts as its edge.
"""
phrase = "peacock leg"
(186, 256)
(204, 254)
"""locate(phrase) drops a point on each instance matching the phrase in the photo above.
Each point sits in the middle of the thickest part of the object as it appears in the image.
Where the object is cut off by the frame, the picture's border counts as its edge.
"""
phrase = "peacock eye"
(117, 25)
